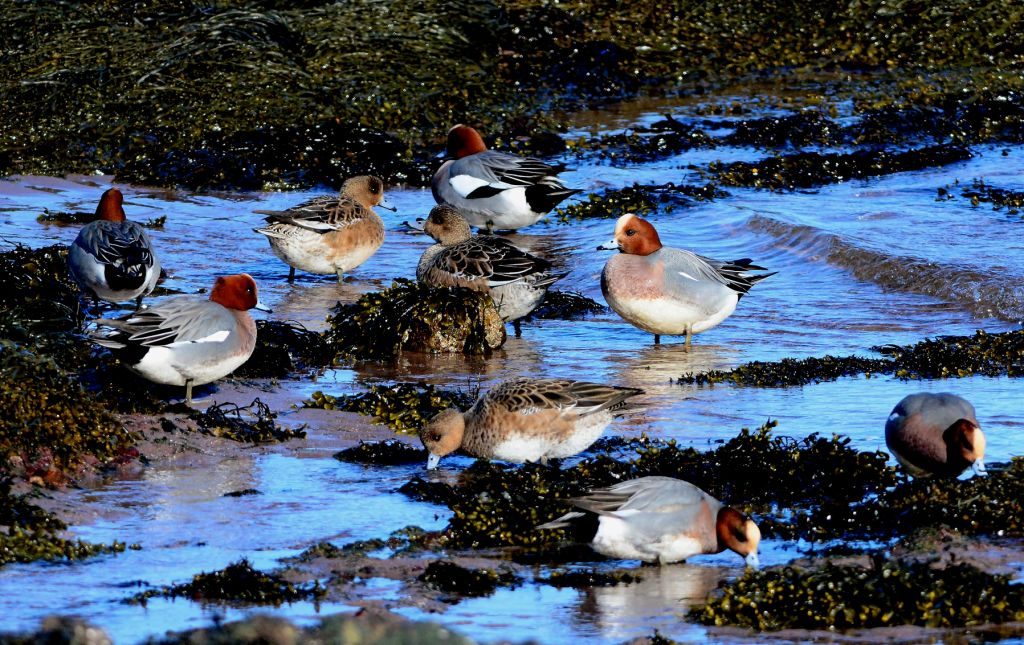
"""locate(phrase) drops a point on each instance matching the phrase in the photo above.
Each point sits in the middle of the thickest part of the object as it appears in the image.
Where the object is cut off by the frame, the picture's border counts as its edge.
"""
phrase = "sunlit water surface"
(817, 240)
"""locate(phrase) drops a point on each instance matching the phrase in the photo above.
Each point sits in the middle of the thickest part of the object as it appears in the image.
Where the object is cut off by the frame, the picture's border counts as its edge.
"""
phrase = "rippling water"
(860, 264)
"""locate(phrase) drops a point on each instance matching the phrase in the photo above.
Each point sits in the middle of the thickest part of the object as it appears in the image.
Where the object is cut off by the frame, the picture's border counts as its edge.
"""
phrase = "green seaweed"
(253, 423)
(404, 407)
(237, 582)
(410, 316)
(838, 597)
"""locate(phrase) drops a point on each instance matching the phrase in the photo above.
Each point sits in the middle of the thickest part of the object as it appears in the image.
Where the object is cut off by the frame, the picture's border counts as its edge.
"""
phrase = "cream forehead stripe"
(621, 223)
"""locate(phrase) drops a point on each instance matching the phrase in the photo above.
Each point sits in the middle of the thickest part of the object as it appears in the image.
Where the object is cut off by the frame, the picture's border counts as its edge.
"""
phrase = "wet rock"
(414, 317)
(60, 630)
(236, 582)
(838, 597)
(245, 492)
(405, 407)
(385, 453)
(810, 169)
(586, 578)
(253, 423)
(282, 348)
(452, 578)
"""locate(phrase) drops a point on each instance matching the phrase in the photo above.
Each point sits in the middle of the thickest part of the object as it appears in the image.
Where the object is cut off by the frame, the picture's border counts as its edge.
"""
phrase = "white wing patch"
(466, 184)
(687, 275)
(215, 337)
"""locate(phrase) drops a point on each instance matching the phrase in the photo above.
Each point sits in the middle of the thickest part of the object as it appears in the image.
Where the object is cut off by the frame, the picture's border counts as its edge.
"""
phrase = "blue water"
(815, 305)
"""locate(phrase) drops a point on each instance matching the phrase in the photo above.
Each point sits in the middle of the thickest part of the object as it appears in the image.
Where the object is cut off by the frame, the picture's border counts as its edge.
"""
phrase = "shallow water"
(829, 297)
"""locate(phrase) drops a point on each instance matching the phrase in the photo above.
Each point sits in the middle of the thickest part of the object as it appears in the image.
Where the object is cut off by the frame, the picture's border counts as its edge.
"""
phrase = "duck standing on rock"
(663, 520)
(492, 189)
(112, 258)
(188, 341)
(329, 234)
(935, 434)
(527, 419)
(670, 291)
(516, 280)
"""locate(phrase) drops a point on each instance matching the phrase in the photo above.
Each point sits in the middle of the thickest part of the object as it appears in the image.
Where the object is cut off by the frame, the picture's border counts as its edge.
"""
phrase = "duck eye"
(434, 436)
(631, 232)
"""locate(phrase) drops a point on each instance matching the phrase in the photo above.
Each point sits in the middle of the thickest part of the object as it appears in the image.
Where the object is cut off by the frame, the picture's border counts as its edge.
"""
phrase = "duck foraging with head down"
(186, 340)
(112, 258)
(935, 434)
(527, 419)
(329, 234)
(663, 290)
(495, 190)
(662, 519)
(516, 280)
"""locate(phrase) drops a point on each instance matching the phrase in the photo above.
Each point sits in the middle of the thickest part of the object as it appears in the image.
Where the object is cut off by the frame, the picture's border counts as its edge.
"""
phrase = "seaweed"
(253, 423)
(798, 130)
(404, 407)
(980, 192)
(384, 453)
(586, 578)
(566, 305)
(451, 578)
(838, 597)
(414, 317)
(1000, 354)
(637, 199)
(78, 217)
(237, 582)
(282, 348)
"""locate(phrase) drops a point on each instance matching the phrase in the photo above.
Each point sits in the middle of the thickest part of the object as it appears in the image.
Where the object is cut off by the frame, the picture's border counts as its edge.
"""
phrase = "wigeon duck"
(935, 434)
(515, 279)
(329, 234)
(495, 190)
(527, 419)
(662, 519)
(188, 341)
(112, 258)
(670, 291)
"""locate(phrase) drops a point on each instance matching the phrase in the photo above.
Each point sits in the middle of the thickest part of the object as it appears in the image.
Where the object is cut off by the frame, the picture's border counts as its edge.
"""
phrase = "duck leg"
(188, 392)
(519, 330)
(689, 334)
(291, 274)
(657, 339)
(138, 303)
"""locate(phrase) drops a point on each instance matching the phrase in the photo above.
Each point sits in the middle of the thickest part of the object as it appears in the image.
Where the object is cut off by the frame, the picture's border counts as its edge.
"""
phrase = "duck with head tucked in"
(112, 258)
(527, 419)
(329, 234)
(516, 280)
(663, 290)
(935, 434)
(186, 340)
(663, 520)
(492, 189)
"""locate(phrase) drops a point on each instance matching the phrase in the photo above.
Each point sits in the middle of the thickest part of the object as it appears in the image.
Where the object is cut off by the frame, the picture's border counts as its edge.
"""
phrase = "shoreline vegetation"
(249, 95)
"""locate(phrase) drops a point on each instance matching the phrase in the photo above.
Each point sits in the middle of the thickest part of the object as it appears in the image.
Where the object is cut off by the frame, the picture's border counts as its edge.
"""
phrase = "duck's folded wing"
(112, 242)
(321, 214)
(488, 173)
(645, 495)
(179, 320)
(493, 259)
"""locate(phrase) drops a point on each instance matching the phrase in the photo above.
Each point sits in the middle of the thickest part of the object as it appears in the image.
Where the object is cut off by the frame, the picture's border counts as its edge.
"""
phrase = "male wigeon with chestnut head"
(112, 258)
(186, 340)
(332, 234)
(662, 520)
(663, 290)
(492, 189)
(935, 434)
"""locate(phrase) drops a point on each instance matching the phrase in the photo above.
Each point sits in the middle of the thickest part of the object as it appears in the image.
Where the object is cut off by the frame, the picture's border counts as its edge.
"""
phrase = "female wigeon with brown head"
(329, 234)
(112, 258)
(186, 340)
(495, 190)
(935, 434)
(663, 520)
(663, 290)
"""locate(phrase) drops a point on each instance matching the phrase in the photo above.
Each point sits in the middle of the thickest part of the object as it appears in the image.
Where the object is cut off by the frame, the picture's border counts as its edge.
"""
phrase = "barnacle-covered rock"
(413, 317)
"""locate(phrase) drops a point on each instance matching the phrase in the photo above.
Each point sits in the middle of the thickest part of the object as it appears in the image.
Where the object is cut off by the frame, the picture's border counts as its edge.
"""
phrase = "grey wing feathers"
(735, 274)
(320, 214)
(111, 242)
(176, 320)
(583, 397)
(646, 494)
(498, 166)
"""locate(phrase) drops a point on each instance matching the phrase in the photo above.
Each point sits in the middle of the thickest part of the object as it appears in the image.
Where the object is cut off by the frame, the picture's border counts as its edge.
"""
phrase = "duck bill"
(610, 245)
(386, 205)
(417, 225)
(979, 467)
(262, 307)
(432, 461)
(752, 560)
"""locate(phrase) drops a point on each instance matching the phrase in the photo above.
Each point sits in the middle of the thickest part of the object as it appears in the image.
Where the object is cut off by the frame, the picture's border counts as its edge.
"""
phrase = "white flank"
(466, 184)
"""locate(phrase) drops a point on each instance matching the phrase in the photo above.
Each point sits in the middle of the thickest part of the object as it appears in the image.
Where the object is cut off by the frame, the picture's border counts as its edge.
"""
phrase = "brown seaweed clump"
(985, 354)
(566, 305)
(645, 143)
(383, 453)
(404, 407)
(451, 578)
(638, 199)
(29, 533)
(811, 169)
(414, 317)
(282, 348)
(238, 582)
(838, 597)
(49, 427)
(980, 192)
(253, 423)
